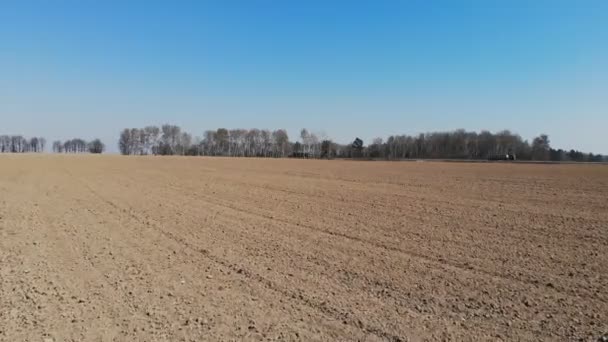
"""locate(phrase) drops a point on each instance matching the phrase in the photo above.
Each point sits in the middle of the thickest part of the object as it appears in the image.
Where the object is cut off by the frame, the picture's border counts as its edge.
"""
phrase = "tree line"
(20, 144)
(459, 144)
(78, 145)
(171, 140)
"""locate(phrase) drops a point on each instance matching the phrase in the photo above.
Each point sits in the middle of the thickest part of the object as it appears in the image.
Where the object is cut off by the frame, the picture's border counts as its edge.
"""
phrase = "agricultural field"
(112, 248)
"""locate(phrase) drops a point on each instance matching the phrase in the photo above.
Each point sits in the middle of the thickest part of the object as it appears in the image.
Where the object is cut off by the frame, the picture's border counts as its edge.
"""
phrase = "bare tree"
(96, 146)
(222, 142)
(541, 147)
(152, 134)
(281, 142)
(124, 142)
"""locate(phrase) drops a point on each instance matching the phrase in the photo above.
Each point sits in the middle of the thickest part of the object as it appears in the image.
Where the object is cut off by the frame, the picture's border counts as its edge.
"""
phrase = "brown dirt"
(109, 248)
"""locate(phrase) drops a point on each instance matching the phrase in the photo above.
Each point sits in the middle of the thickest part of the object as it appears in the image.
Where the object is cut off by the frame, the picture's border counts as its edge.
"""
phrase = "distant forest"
(20, 144)
(172, 140)
(77, 145)
(458, 144)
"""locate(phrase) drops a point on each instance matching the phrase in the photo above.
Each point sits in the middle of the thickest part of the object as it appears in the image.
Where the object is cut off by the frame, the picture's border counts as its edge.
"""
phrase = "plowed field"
(111, 248)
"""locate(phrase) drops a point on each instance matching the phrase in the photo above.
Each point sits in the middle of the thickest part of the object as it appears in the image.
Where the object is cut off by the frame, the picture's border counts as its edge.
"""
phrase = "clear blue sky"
(347, 68)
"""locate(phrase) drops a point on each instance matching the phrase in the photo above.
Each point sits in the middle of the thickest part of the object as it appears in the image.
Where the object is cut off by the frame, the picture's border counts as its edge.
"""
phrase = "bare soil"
(110, 248)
